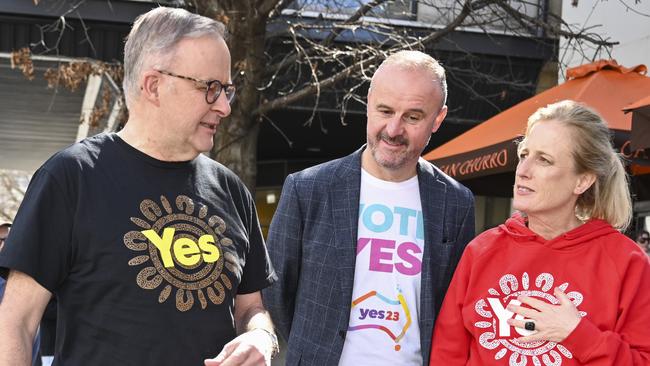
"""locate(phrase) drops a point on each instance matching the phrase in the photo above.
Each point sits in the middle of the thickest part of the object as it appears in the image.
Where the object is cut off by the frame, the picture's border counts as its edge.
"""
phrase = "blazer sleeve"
(285, 250)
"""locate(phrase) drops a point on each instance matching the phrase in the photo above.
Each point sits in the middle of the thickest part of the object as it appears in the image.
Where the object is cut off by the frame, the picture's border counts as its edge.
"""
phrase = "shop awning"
(489, 149)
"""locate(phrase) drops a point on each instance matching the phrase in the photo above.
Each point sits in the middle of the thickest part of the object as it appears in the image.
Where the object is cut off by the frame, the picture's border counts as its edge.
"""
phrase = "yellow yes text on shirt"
(185, 250)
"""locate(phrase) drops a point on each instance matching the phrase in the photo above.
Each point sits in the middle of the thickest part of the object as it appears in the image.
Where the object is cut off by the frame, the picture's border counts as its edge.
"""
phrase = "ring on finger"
(529, 325)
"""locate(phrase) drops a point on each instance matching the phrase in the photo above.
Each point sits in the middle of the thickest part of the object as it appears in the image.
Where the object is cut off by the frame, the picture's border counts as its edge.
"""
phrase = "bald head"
(413, 61)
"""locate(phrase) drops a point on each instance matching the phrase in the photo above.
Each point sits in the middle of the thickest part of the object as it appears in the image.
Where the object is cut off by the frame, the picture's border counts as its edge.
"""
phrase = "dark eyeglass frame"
(644, 240)
(229, 89)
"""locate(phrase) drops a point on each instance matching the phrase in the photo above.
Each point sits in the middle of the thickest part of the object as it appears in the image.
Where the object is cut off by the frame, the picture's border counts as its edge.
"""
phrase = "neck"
(138, 134)
(390, 175)
(553, 226)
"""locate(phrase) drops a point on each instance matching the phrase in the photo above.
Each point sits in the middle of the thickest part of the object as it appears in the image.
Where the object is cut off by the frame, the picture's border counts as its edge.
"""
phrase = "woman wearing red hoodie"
(557, 284)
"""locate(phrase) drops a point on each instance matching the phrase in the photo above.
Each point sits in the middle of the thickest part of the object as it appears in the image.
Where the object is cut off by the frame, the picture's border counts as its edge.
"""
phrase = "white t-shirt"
(384, 328)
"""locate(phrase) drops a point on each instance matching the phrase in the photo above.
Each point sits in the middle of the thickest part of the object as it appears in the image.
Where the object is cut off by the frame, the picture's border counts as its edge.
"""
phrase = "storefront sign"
(475, 166)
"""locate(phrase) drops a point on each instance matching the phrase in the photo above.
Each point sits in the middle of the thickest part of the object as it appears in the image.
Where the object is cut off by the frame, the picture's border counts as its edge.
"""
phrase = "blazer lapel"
(345, 209)
(432, 196)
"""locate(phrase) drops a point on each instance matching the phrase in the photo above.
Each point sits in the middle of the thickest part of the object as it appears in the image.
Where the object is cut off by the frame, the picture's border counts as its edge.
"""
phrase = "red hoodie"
(605, 274)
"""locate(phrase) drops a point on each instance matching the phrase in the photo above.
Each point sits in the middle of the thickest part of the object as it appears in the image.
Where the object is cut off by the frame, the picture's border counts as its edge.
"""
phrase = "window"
(399, 9)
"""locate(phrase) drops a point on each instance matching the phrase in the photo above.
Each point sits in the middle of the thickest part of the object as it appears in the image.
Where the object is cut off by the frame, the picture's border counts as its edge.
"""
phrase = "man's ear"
(149, 86)
(439, 118)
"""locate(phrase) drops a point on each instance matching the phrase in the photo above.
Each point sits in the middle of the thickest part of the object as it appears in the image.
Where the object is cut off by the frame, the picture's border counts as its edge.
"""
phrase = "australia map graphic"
(384, 315)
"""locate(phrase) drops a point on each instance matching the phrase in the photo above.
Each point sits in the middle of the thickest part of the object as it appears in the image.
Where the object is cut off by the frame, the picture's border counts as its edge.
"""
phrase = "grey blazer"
(312, 243)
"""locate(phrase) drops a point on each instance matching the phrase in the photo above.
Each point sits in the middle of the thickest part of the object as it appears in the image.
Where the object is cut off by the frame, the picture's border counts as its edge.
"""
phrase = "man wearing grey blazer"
(365, 246)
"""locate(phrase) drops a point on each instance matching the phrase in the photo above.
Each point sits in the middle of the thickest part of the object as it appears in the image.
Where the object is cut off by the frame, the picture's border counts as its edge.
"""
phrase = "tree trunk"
(236, 138)
(236, 147)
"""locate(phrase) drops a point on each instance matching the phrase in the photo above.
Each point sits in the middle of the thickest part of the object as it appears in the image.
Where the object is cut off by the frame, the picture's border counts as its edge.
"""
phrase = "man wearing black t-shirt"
(153, 251)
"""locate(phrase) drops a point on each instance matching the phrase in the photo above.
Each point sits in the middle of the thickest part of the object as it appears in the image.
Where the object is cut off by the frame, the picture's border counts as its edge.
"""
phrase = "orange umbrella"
(489, 150)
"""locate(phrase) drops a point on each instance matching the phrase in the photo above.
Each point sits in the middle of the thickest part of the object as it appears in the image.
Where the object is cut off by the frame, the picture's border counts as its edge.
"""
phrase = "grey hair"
(609, 197)
(416, 60)
(154, 37)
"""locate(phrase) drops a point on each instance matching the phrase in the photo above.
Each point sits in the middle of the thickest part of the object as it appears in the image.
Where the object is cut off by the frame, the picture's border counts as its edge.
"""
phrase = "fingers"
(553, 322)
(239, 357)
(238, 353)
(539, 334)
(521, 323)
(245, 357)
(227, 350)
(222, 356)
(564, 299)
(534, 303)
(525, 312)
(235, 358)
(532, 338)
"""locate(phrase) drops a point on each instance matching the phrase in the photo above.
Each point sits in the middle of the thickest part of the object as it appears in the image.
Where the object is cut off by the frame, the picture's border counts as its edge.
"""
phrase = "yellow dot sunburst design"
(189, 284)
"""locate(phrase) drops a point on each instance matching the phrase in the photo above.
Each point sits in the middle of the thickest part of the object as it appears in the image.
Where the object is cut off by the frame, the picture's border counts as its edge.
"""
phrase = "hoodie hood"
(516, 228)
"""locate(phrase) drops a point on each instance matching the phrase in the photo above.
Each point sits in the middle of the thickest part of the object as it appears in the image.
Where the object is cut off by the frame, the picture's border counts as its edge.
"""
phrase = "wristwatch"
(274, 341)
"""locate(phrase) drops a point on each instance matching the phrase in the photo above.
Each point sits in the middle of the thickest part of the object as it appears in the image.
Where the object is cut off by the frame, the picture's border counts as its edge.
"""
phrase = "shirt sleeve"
(40, 239)
(450, 344)
(629, 342)
(258, 272)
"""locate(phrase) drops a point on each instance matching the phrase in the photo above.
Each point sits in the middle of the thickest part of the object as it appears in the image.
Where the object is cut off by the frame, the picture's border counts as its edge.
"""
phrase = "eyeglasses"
(644, 240)
(213, 88)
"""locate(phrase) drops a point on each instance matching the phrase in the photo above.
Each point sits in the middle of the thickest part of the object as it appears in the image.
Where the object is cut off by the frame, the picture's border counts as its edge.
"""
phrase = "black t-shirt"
(145, 256)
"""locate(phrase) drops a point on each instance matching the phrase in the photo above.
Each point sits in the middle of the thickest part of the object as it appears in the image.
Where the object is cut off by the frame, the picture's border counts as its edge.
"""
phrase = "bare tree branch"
(338, 28)
(553, 30)
(316, 86)
(306, 63)
(312, 88)
(267, 6)
(631, 8)
(467, 9)
(351, 20)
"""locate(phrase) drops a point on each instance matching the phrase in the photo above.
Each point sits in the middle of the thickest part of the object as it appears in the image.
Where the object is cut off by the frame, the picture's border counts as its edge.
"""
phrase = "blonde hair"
(609, 197)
